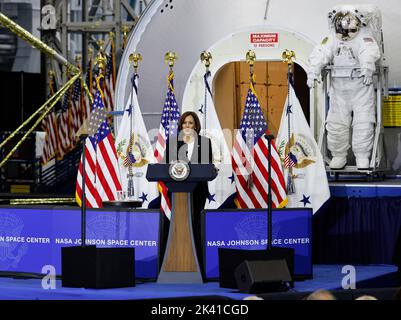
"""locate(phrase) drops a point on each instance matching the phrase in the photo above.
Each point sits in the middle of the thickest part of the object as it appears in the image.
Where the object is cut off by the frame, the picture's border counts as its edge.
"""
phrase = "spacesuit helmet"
(347, 25)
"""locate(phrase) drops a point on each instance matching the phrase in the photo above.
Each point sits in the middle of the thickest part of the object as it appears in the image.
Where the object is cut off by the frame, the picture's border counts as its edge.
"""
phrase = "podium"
(180, 262)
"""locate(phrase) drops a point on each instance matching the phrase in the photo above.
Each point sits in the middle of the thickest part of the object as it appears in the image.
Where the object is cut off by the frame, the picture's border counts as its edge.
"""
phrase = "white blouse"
(190, 149)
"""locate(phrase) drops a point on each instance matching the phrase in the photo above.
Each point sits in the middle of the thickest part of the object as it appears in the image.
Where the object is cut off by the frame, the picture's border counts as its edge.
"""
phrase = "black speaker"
(229, 260)
(91, 267)
(263, 276)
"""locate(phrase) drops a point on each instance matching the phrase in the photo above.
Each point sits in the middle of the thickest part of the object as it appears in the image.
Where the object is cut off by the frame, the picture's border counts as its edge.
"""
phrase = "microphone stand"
(277, 252)
(83, 198)
(269, 138)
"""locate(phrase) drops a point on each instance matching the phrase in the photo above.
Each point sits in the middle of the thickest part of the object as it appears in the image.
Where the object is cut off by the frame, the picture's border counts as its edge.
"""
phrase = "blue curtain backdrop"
(356, 230)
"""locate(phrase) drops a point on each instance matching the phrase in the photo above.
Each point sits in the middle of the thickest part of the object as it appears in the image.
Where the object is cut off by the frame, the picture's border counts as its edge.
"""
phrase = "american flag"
(110, 81)
(290, 160)
(85, 100)
(49, 125)
(168, 126)
(101, 166)
(77, 111)
(64, 122)
(250, 160)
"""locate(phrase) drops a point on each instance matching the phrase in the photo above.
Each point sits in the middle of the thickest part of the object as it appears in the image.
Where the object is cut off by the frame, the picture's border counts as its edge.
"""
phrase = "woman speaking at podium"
(192, 148)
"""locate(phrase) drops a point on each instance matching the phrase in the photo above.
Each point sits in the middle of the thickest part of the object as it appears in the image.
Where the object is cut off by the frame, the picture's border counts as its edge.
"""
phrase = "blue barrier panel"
(31, 238)
(247, 229)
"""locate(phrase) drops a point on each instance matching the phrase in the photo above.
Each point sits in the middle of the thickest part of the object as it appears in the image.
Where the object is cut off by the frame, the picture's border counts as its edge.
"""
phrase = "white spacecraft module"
(228, 29)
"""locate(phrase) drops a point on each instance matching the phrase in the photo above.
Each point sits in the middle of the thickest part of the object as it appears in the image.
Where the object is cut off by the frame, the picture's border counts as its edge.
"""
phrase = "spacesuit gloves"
(367, 76)
(311, 79)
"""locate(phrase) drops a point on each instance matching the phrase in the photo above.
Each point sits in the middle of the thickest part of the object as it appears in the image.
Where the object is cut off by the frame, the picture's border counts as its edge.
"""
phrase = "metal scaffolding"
(80, 23)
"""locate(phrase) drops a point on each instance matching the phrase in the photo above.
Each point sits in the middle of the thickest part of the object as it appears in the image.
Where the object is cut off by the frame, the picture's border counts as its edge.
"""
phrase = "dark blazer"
(176, 149)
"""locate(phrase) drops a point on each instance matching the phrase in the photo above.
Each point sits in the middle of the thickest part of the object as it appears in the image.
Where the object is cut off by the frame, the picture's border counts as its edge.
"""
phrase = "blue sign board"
(31, 238)
(247, 230)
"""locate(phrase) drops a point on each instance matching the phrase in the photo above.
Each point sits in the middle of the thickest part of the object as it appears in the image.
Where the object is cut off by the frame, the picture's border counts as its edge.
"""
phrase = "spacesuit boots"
(338, 163)
(362, 141)
(362, 163)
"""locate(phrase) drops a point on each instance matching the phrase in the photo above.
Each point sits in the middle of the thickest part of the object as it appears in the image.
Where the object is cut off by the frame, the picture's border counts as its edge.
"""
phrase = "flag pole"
(170, 58)
(250, 59)
(100, 61)
(206, 58)
(134, 58)
(288, 57)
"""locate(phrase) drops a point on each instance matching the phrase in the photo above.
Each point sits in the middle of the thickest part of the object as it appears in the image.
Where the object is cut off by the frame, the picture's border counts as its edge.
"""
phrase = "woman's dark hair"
(196, 119)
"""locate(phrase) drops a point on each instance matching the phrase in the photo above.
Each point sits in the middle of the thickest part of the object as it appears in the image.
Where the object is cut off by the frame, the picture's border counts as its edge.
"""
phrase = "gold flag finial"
(78, 58)
(101, 59)
(134, 58)
(288, 56)
(100, 43)
(251, 57)
(125, 29)
(206, 57)
(111, 35)
(170, 58)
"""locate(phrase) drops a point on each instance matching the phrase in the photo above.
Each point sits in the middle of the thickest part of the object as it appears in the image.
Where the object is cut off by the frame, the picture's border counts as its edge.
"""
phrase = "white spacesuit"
(352, 50)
